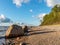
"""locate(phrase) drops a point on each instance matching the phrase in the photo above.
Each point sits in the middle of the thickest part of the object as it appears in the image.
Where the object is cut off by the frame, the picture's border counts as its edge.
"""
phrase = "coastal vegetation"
(53, 17)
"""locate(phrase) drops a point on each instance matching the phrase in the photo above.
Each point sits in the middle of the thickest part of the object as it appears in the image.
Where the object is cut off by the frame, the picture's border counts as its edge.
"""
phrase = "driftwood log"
(13, 31)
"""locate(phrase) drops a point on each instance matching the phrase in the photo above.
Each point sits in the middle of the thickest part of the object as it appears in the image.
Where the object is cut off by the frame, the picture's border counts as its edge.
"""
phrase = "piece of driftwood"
(13, 31)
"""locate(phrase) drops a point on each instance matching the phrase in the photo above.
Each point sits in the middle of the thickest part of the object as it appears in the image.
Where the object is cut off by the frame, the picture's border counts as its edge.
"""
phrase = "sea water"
(2, 37)
(2, 34)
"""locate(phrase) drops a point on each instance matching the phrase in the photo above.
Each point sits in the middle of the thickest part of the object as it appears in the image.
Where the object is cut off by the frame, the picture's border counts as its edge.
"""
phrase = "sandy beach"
(43, 35)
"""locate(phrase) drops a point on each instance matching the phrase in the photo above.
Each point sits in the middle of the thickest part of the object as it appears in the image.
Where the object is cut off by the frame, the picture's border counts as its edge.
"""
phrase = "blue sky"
(26, 11)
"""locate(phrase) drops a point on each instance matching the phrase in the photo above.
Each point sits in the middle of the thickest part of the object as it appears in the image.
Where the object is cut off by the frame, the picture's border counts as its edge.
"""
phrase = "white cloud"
(18, 3)
(2, 16)
(51, 3)
(31, 10)
(4, 19)
(40, 16)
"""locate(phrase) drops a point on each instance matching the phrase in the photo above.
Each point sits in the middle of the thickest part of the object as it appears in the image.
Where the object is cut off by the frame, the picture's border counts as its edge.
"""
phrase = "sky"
(25, 11)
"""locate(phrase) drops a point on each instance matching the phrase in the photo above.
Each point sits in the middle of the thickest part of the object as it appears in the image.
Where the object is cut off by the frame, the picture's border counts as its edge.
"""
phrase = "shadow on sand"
(39, 32)
(35, 32)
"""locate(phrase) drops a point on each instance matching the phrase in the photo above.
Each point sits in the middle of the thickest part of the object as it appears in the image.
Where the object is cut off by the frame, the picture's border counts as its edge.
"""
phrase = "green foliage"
(53, 17)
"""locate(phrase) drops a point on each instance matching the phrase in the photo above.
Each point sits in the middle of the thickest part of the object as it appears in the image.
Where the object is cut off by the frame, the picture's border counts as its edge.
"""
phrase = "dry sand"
(43, 35)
